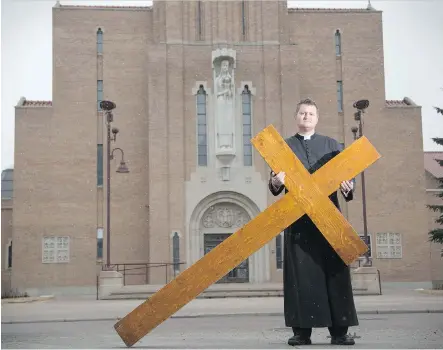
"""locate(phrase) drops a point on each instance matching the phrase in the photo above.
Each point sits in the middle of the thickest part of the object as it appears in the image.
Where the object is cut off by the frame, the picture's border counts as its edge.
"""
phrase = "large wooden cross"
(307, 194)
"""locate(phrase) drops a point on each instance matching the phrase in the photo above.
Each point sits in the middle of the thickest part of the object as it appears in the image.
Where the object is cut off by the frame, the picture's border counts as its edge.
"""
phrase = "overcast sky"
(413, 49)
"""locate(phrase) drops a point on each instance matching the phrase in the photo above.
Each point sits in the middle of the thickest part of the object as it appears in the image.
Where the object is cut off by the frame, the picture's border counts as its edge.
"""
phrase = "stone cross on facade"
(263, 228)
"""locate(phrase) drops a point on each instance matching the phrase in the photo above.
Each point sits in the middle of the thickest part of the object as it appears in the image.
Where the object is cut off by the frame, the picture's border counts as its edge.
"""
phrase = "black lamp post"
(361, 106)
(108, 106)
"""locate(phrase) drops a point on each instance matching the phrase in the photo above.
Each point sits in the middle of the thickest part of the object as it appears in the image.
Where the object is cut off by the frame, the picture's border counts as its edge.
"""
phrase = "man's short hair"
(308, 102)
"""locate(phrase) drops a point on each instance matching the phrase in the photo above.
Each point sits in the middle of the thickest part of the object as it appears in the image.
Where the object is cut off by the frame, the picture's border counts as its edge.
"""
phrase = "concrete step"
(365, 281)
(208, 295)
(215, 291)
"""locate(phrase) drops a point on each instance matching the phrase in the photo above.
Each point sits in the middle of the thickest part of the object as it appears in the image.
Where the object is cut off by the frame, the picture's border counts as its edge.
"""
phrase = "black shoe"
(297, 340)
(342, 340)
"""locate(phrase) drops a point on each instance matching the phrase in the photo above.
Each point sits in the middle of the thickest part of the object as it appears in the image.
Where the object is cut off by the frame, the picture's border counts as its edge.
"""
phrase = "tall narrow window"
(99, 93)
(337, 43)
(10, 255)
(243, 19)
(100, 243)
(199, 20)
(99, 41)
(202, 127)
(340, 96)
(176, 252)
(99, 165)
(279, 251)
(247, 127)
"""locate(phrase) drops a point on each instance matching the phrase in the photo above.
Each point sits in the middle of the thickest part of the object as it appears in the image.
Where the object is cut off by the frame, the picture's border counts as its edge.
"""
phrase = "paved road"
(240, 332)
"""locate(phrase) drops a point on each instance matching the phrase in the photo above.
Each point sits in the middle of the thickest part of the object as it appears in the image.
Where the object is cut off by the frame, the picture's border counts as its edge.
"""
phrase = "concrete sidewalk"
(64, 309)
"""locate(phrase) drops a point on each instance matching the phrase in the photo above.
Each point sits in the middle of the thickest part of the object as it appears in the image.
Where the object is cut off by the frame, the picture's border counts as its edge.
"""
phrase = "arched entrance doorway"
(218, 222)
(215, 218)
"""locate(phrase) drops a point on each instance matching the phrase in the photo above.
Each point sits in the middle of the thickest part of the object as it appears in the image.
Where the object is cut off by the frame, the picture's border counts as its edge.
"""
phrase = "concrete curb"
(430, 291)
(365, 312)
(26, 299)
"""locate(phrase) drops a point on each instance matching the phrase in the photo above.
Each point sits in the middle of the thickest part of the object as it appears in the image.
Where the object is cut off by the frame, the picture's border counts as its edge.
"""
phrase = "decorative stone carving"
(242, 219)
(208, 221)
(55, 249)
(225, 215)
(225, 173)
(224, 90)
(208, 218)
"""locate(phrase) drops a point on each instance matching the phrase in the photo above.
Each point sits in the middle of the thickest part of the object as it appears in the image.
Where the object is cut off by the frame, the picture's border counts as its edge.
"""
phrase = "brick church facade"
(193, 81)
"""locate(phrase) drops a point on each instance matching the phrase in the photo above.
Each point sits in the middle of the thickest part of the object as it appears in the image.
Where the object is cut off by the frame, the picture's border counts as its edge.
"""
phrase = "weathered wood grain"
(308, 194)
(239, 246)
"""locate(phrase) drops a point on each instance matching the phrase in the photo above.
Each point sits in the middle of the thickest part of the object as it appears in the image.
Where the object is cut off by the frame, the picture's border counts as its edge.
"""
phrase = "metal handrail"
(130, 269)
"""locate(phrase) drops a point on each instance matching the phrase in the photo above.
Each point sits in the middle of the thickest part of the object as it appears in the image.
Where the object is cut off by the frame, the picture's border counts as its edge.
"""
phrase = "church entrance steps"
(225, 290)
(365, 281)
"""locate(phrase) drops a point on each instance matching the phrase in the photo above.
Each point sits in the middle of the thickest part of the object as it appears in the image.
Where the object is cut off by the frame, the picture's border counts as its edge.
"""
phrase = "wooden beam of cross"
(307, 194)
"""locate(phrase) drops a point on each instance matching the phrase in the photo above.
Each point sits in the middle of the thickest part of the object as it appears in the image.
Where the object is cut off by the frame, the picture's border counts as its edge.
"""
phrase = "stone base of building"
(366, 281)
(109, 282)
(68, 291)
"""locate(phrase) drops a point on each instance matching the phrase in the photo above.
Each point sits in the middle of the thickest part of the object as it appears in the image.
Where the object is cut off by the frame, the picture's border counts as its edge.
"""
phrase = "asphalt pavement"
(390, 331)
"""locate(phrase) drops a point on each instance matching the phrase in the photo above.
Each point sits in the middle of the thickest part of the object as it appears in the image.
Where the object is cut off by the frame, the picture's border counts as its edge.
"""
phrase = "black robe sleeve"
(275, 191)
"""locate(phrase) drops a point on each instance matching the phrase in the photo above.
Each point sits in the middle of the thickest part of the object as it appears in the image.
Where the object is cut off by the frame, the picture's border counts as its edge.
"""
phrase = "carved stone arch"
(222, 54)
(251, 87)
(197, 85)
(259, 267)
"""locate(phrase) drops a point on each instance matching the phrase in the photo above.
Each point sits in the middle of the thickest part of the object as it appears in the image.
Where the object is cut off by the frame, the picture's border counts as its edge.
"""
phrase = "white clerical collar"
(307, 135)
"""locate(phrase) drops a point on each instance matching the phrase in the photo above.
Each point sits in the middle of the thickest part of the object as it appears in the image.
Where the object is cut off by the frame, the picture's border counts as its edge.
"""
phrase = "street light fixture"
(361, 106)
(108, 106)
(122, 167)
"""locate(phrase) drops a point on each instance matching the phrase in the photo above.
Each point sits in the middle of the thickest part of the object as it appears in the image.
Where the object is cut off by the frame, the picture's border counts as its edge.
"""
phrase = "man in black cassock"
(317, 283)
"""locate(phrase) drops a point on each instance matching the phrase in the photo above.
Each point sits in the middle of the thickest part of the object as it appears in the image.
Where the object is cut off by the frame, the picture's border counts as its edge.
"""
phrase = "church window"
(247, 126)
(99, 165)
(202, 134)
(99, 93)
(176, 252)
(340, 96)
(99, 99)
(337, 43)
(100, 243)
(9, 254)
(199, 20)
(389, 245)
(55, 249)
(243, 19)
(99, 41)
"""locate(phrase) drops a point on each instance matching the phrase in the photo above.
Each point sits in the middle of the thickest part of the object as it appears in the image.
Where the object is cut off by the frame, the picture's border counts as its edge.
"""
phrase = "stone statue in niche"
(224, 91)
